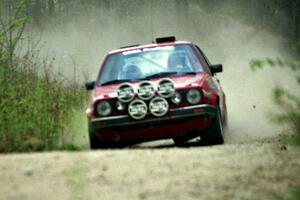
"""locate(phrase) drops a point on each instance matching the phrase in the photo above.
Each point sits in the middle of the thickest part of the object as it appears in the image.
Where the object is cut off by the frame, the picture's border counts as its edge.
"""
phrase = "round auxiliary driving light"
(158, 106)
(193, 96)
(125, 92)
(166, 88)
(146, 90)
(103, 108)
(176, 98)
(137, 109)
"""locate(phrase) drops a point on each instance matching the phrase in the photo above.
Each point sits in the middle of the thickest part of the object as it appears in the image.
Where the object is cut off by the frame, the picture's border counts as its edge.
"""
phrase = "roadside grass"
(76, 137)
(289, 139)
(36, 104)
(295, 195)
(36, 107)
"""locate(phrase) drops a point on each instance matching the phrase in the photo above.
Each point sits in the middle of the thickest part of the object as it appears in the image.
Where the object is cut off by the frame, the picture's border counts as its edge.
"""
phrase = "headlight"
(176, 98)
(137, 109)
(125, 92)
(103, 108)
(146, 90)
(158, 106)
(165, 88)
(193, 96)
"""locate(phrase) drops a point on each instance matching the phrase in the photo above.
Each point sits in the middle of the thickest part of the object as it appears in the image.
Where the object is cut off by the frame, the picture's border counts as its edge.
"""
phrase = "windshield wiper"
(161, 74)
(192, 73)
(115, 81)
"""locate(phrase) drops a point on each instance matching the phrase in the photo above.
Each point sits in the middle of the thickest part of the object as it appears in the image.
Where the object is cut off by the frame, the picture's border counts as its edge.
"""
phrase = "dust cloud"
(87, 34)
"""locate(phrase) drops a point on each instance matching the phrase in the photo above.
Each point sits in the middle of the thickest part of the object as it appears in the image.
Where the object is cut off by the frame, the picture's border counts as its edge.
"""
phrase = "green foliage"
(17, 23)
(287, 101)
(258, 63)
(295, 195)
(35, 109)
(35, 103)
(289, 139)
(298, 79)
(69, 147)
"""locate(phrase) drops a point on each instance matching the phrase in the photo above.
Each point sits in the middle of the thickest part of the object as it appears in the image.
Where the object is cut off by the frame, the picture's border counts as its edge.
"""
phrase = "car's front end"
(160, 106)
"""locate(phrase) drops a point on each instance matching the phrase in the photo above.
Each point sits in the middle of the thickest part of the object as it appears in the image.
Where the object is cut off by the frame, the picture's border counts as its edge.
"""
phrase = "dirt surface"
(259, 170)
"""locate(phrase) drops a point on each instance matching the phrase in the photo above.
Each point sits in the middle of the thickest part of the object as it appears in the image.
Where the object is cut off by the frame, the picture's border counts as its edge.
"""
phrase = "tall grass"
(35, 106)
(35, 103)
(283, 98)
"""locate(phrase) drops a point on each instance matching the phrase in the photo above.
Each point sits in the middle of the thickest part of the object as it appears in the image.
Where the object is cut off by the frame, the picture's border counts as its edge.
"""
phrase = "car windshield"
(149, 63)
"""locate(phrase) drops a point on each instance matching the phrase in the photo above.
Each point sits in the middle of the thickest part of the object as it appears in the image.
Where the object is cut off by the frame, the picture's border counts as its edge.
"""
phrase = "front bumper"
(177, 122)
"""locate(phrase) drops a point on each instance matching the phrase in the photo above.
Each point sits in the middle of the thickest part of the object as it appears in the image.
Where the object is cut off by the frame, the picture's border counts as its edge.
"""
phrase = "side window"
(203, 59)
(111, 68)
(206, 59)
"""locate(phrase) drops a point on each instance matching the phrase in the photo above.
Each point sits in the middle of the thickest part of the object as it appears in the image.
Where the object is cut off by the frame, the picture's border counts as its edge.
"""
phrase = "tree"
(12, 28)
(51, 7)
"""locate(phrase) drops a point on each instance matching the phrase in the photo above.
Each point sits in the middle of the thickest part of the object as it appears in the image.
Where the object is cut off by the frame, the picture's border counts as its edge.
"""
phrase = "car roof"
(153, 45)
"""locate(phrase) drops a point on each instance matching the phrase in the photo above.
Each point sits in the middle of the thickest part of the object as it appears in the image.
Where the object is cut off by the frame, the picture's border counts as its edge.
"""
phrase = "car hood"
(180, 82)
(189, 80)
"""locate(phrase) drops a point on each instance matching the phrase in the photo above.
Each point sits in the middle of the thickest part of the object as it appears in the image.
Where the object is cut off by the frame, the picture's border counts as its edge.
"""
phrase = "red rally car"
(162, 90)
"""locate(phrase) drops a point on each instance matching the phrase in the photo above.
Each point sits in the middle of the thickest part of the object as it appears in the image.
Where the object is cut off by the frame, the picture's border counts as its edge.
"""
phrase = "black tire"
(94, 143)
(179, 142)
(214, 135)
(225, 120)
(183, 141)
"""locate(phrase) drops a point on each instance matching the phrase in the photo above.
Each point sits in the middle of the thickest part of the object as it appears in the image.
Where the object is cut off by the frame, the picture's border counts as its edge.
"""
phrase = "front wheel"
(179, 142)
(214, 135)
(94, 143)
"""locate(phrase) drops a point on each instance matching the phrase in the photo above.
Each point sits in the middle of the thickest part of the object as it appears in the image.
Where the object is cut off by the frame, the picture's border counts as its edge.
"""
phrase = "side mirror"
(90, 85)
(216, 68)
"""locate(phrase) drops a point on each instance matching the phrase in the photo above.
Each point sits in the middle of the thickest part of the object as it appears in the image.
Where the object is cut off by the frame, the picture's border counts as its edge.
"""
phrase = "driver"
(177, 62)
(133, 72)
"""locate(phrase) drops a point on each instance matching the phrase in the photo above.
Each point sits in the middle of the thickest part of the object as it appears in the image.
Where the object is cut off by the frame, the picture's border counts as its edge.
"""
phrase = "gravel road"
(257, 170)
